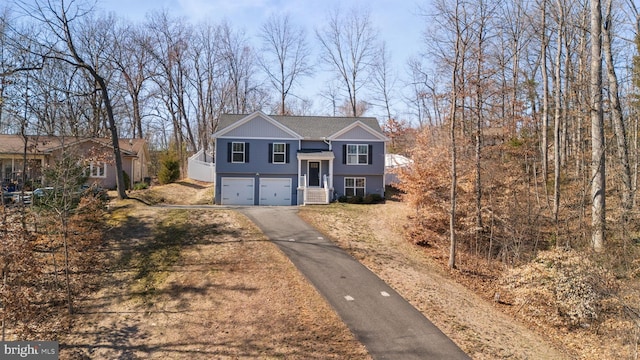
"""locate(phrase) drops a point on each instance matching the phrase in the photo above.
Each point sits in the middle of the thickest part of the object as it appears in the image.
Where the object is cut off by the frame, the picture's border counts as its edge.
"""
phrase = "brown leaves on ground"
(463, 305)
(374, 235)
(229, 293)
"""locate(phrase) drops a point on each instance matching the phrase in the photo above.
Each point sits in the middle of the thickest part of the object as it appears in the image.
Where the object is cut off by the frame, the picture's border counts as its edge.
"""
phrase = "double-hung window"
(357, 154)
(354, 186)
(279, 153)
(237, 152)
(97, 169)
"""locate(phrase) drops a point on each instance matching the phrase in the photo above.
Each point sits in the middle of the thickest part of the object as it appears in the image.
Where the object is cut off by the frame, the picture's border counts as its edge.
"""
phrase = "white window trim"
(94, 169)
(355, 187)
(358, 154)
(283, 153)
(233, 152)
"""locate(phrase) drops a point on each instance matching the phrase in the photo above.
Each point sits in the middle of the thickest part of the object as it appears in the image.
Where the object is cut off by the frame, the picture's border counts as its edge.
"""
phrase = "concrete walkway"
(387, 325)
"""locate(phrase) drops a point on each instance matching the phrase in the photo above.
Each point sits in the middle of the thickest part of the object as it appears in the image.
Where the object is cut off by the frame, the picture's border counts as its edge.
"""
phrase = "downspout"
(328, 142)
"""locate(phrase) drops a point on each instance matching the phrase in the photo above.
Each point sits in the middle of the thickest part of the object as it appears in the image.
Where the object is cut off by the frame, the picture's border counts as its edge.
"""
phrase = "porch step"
(315, 196)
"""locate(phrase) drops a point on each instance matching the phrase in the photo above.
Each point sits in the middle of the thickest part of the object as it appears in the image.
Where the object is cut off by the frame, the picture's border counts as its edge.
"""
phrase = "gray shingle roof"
(14, 144)
(310, 127)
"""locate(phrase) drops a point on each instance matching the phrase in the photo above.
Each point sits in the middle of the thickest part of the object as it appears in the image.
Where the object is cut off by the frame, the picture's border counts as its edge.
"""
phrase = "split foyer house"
(43, 151)
(292, 160)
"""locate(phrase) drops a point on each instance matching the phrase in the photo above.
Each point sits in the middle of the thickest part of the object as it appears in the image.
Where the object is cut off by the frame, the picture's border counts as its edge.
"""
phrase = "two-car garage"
(241, 191)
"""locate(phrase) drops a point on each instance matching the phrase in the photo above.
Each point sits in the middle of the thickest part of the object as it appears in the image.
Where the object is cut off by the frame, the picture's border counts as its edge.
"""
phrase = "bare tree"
(452, 134)
(544, 148)
(131, 56)
(598, 178)
(59, 18)
(616, 112)
(208, 81)
(384, 81)
(239, 62)
(169, 46)
(425, 97)
(285, 56)
(557, 119)
(348, 44)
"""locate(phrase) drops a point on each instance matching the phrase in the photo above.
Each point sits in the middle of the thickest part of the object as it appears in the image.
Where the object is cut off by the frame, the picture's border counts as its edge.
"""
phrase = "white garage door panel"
(275, 192)
(237, 191)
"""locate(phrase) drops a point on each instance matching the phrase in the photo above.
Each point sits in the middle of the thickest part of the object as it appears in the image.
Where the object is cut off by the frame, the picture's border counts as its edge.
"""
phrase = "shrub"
(372, 199)
(564, 281)
(140, 186)
(367, 199)
(127, 180)
(169, 168)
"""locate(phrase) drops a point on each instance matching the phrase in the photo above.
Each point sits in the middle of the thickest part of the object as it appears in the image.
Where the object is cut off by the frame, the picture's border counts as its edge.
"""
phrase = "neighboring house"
(43, 151)
(292, 160)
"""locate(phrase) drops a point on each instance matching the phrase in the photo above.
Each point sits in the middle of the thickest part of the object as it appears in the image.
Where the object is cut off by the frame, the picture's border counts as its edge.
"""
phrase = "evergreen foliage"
(169, 168)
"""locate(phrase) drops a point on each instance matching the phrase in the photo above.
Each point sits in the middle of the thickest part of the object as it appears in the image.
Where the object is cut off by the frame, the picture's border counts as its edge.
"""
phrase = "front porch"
(17, 177)
(315, 183)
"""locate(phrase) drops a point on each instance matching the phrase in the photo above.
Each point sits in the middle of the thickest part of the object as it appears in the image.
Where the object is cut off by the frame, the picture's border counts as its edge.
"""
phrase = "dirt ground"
(230, 294)
(201, 284)
(372, 234)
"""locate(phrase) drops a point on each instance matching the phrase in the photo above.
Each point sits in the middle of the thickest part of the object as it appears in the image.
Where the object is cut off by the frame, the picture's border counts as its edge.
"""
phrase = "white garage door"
(237, 191)
(275, 192)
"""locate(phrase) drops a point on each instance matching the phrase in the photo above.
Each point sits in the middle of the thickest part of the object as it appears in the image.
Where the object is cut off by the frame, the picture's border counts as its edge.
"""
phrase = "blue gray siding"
(258, 158)
(259, 133)
(374, 184)
(377, 159)
(258, 128)
(357, 133)
(314, 145)
(258, 166)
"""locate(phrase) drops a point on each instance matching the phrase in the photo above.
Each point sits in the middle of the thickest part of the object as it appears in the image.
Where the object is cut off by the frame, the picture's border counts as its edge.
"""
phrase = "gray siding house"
(293, 160)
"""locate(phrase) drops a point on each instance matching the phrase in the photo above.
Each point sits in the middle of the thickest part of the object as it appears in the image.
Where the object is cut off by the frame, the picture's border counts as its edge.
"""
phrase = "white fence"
(201, 167)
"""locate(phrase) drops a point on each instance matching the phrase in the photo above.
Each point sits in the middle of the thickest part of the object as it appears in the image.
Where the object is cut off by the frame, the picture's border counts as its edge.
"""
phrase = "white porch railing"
(325, 182)
(201, 170)
(315, 195)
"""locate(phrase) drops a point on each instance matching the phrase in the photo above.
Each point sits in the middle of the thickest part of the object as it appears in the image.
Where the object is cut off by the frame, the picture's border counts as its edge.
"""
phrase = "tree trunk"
(617, 116)
(65, 243)
(545, 97)
(557, 117)
(105, 97)
(598, 178)
(452, 134)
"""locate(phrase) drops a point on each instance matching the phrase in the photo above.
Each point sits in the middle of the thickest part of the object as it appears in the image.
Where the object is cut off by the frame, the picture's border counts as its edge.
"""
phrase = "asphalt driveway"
(380, 318)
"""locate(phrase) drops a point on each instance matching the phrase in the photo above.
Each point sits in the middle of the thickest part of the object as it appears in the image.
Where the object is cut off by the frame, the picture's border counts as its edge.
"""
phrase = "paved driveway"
(379, 317)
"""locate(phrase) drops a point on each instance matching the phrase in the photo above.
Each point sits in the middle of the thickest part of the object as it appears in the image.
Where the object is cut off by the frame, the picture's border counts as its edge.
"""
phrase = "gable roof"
(42, 144)
(308, 127)
(236, 121)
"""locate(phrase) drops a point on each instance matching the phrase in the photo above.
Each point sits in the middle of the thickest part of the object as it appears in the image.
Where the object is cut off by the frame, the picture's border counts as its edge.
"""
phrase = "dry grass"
(461, 302)
(373, 234)
(201, 284)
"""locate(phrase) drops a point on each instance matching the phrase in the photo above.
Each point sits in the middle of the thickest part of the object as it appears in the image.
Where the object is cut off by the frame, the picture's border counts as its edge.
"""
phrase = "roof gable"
(358, 131)
(14, 144)
(256, 125)
(305, 127)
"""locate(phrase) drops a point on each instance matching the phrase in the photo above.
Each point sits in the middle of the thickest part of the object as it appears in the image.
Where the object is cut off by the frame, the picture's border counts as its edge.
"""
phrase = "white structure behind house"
(392, 164)
(201, 167)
